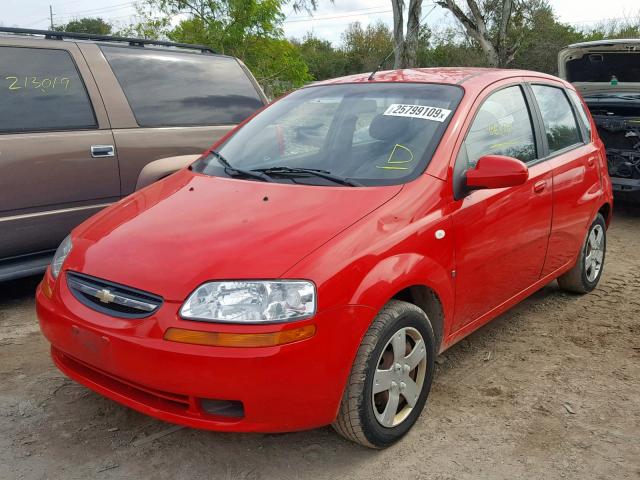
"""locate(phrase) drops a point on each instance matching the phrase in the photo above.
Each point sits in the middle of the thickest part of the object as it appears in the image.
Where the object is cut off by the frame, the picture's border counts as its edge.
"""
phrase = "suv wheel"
(585, 275)
(390, 378)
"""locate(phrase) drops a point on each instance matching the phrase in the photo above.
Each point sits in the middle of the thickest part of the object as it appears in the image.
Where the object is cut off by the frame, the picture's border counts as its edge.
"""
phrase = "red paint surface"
(360, 246)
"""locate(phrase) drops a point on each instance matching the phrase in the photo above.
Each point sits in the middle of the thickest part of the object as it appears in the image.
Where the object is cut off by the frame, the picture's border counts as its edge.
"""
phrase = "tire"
(367, 418)
(586, 273)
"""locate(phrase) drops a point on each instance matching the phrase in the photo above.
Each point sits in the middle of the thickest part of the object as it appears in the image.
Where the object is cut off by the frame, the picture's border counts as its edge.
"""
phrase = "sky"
(328, 22)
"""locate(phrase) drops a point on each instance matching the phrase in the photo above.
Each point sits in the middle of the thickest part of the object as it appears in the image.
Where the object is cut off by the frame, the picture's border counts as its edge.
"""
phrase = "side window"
(181, 88)
(41, 89)
(502, 126)
(581, 109)
(559, 121)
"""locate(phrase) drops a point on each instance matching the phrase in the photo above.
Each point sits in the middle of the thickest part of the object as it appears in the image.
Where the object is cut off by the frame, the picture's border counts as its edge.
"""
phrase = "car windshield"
(348, 134)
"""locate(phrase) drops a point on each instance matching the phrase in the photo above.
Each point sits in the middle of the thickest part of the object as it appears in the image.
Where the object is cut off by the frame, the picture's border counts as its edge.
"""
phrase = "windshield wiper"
(294, 171)
(233, 171)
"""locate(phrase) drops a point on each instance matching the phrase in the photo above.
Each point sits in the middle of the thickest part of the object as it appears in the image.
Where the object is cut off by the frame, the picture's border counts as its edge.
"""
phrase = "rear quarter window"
(41, 89)
(182, 89)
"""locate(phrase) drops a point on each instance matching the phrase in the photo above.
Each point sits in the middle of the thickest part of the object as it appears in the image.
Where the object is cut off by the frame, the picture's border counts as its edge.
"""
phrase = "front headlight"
(251, 301)
(60, 256)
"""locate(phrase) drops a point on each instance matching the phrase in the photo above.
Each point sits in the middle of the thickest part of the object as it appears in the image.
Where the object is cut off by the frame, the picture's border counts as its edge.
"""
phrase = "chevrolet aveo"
(309, 267)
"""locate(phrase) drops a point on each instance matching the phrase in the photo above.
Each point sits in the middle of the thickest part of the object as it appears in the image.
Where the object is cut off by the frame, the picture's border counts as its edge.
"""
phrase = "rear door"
(165, 102)
(51, 117)
(574, 160)
(501, 235)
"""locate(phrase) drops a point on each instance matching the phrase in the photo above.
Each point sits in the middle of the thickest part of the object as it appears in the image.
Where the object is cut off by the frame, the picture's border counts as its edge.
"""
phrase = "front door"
(501, 235)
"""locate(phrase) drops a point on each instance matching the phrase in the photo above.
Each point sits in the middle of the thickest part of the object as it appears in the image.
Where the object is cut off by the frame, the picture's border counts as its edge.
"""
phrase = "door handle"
(591, 161)
(98, 151)
(539, 186)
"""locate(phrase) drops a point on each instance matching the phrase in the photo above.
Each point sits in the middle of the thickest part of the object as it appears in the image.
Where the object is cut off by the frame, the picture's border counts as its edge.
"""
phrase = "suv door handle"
(591, 161)
(540, 186)
(98, 151)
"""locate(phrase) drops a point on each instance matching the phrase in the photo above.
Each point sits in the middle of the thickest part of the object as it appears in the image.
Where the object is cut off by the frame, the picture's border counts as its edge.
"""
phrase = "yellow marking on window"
(393, 152)
(391, 161)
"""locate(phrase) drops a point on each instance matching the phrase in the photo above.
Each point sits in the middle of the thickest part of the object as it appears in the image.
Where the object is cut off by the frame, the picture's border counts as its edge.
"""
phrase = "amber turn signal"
(223, 339)
(46, 288)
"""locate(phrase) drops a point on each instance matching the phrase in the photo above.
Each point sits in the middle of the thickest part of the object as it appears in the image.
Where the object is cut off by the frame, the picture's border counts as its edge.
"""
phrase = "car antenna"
(373, 74)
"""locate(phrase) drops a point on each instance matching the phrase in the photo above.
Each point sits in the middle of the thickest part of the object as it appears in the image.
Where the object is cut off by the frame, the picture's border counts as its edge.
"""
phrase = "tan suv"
(85, 120)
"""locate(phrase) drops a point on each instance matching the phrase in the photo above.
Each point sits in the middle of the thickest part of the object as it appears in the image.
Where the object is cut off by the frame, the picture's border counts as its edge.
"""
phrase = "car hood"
(189, 228)
(591, 66)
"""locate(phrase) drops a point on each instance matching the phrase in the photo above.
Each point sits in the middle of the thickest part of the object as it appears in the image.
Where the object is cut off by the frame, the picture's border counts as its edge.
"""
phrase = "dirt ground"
(549, 390)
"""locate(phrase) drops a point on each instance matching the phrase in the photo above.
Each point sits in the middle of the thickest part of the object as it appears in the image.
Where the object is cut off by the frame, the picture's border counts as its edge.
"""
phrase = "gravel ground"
(550, 389)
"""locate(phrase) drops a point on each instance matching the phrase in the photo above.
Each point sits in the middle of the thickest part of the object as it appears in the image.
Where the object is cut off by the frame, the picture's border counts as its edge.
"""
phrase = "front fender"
(395, 273)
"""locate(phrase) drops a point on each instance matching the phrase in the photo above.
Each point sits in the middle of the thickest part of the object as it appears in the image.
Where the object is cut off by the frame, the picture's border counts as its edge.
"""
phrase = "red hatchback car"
(308, 268)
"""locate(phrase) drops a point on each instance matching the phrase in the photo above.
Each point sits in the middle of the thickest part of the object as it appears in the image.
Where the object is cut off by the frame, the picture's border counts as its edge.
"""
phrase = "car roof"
(446, 75)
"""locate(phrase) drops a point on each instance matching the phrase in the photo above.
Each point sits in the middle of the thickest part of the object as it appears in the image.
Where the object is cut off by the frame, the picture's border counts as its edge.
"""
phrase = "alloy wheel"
(594, 254)
(399, 377)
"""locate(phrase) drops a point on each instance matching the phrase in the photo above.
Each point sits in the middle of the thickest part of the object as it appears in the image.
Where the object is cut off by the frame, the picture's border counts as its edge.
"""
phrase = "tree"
(541, 40)
(365, 48)
(323, 60)
(488, 26)
(96, 26)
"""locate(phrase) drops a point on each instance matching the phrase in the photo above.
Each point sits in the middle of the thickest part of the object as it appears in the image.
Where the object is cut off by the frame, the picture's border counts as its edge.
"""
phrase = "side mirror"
(497, 171)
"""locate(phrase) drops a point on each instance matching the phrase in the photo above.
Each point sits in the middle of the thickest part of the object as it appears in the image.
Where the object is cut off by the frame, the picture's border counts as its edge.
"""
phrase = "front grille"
(112, 298)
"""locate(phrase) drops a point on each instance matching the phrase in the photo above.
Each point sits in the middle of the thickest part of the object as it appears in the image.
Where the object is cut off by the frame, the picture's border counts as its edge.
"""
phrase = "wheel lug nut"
(406, 368)
(402, 386)
(394, 385)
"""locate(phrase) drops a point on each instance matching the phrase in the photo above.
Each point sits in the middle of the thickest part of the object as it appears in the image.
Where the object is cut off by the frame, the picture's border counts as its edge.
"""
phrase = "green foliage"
(96, 26)
(322, 59)
(541, 41)
(365, 48)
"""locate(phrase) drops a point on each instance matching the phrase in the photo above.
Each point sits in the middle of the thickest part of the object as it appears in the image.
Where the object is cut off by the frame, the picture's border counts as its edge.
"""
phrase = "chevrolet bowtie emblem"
(105, 296)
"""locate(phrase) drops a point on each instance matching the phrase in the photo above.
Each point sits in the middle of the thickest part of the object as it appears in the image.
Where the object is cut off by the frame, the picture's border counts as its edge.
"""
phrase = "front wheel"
(390, 378)
(586, 273)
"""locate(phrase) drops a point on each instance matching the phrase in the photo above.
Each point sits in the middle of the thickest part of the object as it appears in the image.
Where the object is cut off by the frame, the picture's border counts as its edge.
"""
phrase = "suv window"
(502, 126)
(558, 118)
(41, 89)
(581, 109)
(180, 89)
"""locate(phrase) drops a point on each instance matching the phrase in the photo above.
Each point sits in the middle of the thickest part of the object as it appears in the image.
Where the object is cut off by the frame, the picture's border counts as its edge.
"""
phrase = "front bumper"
(625, 185)
(285, 388)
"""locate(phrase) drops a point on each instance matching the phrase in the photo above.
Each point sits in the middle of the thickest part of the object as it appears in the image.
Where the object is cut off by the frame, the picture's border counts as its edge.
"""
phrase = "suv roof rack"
(134, 42)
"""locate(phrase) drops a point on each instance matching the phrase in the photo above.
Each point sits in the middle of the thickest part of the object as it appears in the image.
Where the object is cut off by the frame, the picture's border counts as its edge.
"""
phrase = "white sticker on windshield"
(417, 111)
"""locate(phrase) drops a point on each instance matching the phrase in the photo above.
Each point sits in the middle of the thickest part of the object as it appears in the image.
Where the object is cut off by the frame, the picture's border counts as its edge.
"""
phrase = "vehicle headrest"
(389, 128)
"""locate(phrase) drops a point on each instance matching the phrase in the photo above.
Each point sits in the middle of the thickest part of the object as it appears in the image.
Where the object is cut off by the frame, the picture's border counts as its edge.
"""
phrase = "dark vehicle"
(607, 74)
(86, 120)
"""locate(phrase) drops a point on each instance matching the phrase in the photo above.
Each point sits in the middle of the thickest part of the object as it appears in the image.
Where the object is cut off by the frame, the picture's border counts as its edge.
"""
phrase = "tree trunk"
(410, 47)
(398, 32)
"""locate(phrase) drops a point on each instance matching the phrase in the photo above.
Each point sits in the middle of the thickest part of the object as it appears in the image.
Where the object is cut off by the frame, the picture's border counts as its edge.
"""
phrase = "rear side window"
(557, 115)
(582, 111)
(181, 89)
(41, 89)
(502, 126)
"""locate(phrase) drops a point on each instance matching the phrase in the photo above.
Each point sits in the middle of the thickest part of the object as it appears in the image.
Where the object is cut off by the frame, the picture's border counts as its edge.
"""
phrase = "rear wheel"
(586, 273)
(390, 378)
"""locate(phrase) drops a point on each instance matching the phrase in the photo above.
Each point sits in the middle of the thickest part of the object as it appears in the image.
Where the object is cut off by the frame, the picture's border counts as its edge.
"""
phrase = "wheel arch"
(427, 300)
(606, 211)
